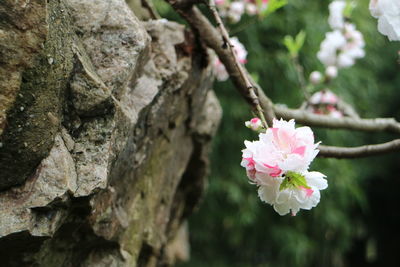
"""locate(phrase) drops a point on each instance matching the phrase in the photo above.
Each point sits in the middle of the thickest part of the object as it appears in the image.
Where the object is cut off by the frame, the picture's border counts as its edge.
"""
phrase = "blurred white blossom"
(234, 10)
(388, 14)
(336, 18)
(241, 53)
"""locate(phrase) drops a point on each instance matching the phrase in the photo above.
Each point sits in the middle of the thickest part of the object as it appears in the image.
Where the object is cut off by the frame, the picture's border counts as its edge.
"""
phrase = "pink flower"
(324, 102)
(278, 164)
(281, 148)
(324, 97)
(255, 124)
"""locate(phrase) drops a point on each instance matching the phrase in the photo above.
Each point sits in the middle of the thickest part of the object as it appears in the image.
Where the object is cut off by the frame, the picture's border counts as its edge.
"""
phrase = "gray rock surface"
(127, 149)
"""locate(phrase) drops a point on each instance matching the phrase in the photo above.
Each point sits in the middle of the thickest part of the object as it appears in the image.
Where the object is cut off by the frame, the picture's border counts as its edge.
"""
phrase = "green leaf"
(290, 45)
(348, 9)
(293, 179)
(285, 184)
(294, 45)
(273, 5)
(300, 39)
(297, 179)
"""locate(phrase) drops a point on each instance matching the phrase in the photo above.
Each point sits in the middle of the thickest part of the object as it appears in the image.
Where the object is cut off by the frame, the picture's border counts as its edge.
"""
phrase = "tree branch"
(213, 39)
(244, 75)
(206, 31)
(358, 152)
(310, 119)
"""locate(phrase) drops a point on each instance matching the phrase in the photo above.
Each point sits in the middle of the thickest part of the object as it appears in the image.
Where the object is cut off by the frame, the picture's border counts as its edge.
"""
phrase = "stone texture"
(35, 64)
(128, 159)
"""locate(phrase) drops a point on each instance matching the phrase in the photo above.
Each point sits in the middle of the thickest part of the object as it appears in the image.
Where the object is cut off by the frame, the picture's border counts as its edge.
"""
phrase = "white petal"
(316, 179)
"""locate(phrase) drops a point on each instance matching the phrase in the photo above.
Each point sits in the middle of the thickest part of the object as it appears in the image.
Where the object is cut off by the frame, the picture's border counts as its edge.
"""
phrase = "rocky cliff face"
(105, 125)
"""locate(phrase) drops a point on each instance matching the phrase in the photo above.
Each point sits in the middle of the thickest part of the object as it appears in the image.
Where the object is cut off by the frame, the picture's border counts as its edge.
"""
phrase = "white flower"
(336, 19)
(236, 11)
(354, 47)
(292, 197)
(219, 70)
(239, 49)
(251, 9)
(315, 77)
(330, 45)
(331, 72)
(388, 14)
(241, 53)
(341, 48)
(278, 164)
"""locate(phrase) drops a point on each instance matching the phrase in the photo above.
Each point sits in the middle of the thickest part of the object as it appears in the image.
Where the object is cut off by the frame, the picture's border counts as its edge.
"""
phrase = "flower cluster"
(324, 102)
(233, 10)
(342, 46)
(388, 14)
(241, 53)
(278, 164)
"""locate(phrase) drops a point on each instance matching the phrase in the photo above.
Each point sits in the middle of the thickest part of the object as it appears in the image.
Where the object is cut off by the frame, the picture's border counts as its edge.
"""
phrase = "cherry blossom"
(388, 14)
(292, 197)
(344, 44)
(342, 48)
(336, 18)
(278, 164)
(241, 53)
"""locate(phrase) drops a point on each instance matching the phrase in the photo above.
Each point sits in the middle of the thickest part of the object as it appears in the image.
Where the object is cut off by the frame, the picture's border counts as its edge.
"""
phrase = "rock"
(129, 158)
(31, 90)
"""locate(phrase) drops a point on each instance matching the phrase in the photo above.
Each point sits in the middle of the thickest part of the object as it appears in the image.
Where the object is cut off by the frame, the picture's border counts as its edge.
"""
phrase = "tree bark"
(105, 127)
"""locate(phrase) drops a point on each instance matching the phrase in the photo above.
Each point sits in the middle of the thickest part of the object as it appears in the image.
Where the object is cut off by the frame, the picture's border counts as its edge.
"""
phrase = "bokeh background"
(358, 219)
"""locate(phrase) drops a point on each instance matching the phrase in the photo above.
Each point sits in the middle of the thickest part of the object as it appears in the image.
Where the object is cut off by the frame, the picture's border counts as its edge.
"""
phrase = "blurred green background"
(357, 221)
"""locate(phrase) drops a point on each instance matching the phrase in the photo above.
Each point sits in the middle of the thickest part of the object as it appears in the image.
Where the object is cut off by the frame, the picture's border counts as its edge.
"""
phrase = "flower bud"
(331, 72)
(315, 77)
(255, 124)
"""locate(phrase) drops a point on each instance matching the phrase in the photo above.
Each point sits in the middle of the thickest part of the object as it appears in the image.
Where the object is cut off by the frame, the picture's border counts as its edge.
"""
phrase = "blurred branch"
(300, 76)
(359, 152)
(243, 82)
(213, 39)
(311, 119)
(347, 109)
(243, 74)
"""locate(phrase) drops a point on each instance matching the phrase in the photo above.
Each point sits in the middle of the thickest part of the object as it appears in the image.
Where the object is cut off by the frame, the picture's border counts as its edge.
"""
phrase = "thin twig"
(359, 152)
(300, 76)
(244, 75)
(326, 121)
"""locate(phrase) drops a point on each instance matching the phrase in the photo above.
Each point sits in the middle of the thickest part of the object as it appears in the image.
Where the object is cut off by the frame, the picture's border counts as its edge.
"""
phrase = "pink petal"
(276, 171)
(299, 150)
(308, 191)
(254, 120)
(250, 161)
